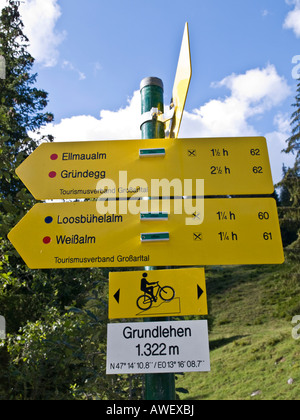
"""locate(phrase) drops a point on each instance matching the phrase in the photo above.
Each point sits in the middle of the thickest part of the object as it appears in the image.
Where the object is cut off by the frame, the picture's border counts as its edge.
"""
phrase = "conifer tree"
(33, 302)
(21, 116)
(21, 113)
(294, 141)
(290, 184)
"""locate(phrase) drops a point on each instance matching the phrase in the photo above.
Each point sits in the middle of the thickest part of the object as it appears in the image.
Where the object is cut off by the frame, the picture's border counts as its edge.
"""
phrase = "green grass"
(252, 349)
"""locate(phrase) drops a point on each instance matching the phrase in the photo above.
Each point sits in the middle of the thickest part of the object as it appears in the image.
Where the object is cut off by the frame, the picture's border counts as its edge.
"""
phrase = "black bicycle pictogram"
(145, 301)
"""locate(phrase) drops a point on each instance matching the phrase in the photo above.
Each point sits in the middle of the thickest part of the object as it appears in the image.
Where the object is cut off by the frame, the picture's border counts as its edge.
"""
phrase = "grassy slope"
(252, 349)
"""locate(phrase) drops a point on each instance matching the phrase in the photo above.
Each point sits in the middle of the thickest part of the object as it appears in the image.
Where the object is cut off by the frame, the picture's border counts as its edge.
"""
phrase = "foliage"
(293, 143)
(50, 352)
(289, 210)
(63, 357)
(21, 112)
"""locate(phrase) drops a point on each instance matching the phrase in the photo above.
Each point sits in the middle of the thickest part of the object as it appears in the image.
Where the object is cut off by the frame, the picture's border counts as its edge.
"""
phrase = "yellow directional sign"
(181, 84)
(148, 168)
(202, 232)
(140, 294)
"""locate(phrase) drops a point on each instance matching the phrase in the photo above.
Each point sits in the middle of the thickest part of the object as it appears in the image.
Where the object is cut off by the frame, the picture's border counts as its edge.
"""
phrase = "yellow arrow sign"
(181, 84)
(222, 232)
(140, 294)
(148, 168)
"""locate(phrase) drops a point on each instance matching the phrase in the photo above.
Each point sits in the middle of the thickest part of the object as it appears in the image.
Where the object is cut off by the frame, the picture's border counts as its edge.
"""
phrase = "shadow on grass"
(216, 344)
(223, 278)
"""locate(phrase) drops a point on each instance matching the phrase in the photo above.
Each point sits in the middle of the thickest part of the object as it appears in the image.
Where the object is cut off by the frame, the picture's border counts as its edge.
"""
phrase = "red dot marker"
(54, 156)
(52, 174)
(47, 240)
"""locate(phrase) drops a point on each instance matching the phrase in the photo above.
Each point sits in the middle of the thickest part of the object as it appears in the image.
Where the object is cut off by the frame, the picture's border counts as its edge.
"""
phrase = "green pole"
(159, 386)
(152, 96)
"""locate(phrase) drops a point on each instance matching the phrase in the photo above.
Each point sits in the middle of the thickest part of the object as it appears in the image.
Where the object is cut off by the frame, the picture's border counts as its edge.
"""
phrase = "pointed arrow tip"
(117, 296)
(199, 291)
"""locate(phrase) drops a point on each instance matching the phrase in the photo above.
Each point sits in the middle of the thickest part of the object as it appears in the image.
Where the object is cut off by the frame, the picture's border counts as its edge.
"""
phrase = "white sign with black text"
(157, 347)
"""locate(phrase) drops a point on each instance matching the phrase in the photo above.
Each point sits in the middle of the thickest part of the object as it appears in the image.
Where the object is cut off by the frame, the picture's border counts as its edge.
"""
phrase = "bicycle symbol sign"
(145, 302)
(139, 294)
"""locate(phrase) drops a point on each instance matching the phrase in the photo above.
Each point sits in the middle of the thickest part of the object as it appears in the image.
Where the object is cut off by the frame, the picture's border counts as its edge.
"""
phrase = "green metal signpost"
(159, 386)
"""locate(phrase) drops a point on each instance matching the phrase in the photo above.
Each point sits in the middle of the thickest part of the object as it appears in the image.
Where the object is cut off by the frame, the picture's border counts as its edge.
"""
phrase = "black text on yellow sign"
(126, 168)
(222, 232)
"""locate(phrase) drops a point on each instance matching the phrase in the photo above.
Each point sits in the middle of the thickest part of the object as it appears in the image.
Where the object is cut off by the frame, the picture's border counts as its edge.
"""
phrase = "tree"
(50, 352)
(21, 113)
(293, 142)
(290, 186)
(21, 106)
(289, 221)
(292, 176)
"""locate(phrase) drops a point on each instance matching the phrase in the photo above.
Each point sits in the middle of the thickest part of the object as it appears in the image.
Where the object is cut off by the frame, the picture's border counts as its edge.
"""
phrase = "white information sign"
(158, 347)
